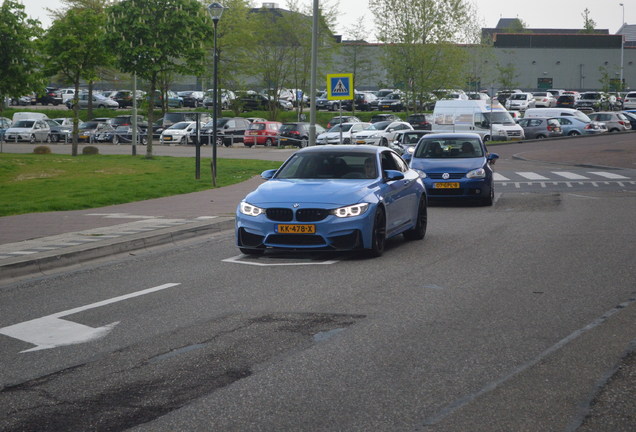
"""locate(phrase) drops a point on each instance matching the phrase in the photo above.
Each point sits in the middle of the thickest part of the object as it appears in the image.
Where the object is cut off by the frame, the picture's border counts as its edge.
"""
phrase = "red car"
(264, 133)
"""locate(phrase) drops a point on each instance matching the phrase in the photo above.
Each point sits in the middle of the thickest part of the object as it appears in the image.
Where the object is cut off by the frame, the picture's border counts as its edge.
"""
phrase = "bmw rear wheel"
(378, 238)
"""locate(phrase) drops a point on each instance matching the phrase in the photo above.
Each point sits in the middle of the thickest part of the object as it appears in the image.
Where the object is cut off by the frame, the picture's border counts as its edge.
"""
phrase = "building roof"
(629, 32)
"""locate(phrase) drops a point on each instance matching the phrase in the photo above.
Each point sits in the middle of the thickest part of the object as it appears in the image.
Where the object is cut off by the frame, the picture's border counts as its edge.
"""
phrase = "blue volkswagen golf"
(457, 166)
(334, 198)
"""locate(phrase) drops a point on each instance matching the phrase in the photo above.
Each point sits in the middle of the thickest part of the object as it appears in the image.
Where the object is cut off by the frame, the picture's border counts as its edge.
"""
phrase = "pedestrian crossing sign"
(339, 86)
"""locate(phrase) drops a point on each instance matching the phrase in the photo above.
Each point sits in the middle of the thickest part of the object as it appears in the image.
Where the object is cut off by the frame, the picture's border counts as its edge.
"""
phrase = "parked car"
(405, 142)
(631, 117)
(49, 96)
(478, 96)
(106, 134)
(21, 101)
(88, 130)
(342, 119)
(65, 94)
(420, 121)
(123, 134)
(365, 101)
(629, 101)
(322, 103)
(457, 166)
(384, 117)
(30, 130)
(58, 132)
(124, 98)
(566, 101)
(126, 120)
(591, 101)
(261, 102)
(333, 198)
(615, 121)
(5, 124)
(392, 102)
(179, 133)
(262, 132)
(99, 101)
(171, 118)
(344, 131)
(573, 126)
(540, 127)
(544, 100)
(520, 102)
(503, 95)
(228, 131)
(226, 98)
(296, 134)
(193, 99)
(380, 133)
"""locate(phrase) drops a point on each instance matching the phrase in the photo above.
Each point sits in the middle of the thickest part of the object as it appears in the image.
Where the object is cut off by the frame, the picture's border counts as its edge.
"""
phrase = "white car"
(380, 133)
(630, 101)
(31, 130)
(544, 100)
(520, 101)
(179, 133)
(332, 136)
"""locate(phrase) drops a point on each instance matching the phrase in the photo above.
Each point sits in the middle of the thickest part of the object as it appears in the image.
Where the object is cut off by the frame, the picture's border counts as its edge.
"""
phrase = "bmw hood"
(448, 165)
(312, 192)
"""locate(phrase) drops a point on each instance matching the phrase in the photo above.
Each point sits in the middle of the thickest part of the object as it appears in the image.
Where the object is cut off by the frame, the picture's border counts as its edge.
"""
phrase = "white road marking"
(50, 331)
(570, 175)
(608, 175)
(499, 177)
(532, 176)
(237, 260)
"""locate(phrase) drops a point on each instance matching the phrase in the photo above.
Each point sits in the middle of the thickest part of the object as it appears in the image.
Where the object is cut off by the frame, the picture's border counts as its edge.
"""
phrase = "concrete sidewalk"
(37, 243)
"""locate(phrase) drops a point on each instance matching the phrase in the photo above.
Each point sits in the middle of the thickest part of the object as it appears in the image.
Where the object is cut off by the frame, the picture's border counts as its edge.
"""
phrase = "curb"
(42, 263)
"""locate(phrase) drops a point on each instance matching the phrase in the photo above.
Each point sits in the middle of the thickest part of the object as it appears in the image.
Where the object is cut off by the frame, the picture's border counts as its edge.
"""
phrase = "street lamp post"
(215, 10)
(622, 48)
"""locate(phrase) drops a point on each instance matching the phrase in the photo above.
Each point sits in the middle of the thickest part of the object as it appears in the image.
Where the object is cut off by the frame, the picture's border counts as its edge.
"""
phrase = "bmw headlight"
(350, 211)
(250, 210)
(478, 173)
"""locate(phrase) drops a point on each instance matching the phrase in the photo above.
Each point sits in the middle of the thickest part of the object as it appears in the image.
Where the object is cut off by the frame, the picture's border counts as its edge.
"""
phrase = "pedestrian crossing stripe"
(567, 175)
(339, 86)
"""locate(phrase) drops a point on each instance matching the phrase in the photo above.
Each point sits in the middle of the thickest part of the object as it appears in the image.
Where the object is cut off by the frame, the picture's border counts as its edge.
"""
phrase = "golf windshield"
(448, 148)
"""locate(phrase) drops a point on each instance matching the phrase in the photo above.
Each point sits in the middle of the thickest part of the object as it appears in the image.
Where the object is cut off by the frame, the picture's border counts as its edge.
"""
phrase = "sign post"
(340, 87)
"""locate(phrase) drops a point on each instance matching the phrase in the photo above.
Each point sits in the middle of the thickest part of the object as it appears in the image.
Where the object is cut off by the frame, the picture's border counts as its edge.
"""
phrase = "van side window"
(479, 119)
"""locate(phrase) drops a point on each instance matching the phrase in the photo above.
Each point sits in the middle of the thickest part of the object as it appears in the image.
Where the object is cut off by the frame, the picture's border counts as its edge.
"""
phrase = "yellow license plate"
(360, 142)
(453, 185)
(167, 138)
(296, 229)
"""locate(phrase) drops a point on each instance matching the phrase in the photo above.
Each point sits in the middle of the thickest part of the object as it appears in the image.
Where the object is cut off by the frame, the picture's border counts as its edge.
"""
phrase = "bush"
(90, 150)
(42, 150)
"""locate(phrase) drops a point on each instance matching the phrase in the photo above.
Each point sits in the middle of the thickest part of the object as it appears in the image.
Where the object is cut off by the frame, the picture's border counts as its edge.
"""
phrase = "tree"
(75, 48)
(19, 59)
(155, 37)
(588, 23)
(420, 37)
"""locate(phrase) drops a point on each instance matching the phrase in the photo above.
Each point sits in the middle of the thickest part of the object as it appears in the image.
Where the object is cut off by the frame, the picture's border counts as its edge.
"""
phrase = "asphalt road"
(510, 318)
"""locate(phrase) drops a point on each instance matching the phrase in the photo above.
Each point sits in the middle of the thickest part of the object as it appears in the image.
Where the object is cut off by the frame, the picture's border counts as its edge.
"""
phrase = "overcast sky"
(608, 14)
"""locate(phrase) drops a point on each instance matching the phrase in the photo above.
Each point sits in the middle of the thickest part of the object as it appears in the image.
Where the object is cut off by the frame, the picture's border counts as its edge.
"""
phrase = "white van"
(557, 112)
(488, 119)
(27, 115)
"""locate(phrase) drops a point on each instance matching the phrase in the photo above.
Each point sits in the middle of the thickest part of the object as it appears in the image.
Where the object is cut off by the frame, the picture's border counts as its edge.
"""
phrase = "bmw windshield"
(329, 166)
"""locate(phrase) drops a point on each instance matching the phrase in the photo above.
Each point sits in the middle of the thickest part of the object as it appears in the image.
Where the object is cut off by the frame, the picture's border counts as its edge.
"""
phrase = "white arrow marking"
(50, 331)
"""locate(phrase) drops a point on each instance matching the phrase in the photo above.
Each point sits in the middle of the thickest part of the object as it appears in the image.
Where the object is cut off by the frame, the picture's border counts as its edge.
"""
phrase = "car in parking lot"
(179, 133)
(58, 132)
(5, 123)
(98, 101)
(591, 101)
(566, 101)
(380, 133)
(384, 117)
(344, 131)
(333, 198)
(405, 142)
(342, 119)
(262, 132)
(573, 126)
(296, 134)
(322, 103)
(420, 121)
(457, 166)
(629, 101)
(520, 101)
(228, 131)
(30, 130)
(544, 100)
(392, 102)
(88, 130)
(540, 127)
(615, 121)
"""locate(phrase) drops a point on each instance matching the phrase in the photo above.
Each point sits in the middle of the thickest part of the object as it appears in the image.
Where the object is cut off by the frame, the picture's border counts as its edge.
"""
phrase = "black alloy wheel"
(378, 239)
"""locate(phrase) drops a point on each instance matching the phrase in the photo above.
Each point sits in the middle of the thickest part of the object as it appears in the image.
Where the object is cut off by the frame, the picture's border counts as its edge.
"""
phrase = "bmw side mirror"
(392, 175)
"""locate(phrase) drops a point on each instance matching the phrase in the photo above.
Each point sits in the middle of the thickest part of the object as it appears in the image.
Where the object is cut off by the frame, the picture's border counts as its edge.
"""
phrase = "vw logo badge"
(296, 205)
(446, 176)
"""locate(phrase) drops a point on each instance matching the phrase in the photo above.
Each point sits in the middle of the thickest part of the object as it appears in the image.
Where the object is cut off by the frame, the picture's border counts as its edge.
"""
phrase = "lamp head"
(215, 10)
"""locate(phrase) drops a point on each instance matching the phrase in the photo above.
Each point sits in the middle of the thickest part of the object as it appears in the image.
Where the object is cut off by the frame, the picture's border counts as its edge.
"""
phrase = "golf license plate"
(296, 229)
(447, 185)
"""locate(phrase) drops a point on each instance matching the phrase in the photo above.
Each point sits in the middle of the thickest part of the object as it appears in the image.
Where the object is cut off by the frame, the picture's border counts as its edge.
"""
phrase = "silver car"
(615, 121)
(30, 130)
(99, 101)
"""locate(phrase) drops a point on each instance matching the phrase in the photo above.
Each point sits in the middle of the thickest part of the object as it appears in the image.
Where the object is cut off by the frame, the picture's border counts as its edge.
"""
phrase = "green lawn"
(31, 183)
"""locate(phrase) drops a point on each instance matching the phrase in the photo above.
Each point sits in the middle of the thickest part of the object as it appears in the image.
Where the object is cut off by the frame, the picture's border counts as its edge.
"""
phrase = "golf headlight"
(250, 210)
(350, 211)
(478, 173)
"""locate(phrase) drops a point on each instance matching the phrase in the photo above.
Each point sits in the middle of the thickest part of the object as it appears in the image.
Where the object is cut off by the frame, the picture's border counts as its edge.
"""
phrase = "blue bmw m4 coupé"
(344, 197)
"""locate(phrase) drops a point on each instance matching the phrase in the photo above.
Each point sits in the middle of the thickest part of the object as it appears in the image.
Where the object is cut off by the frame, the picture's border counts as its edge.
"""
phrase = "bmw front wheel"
(378, 238)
